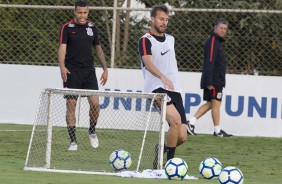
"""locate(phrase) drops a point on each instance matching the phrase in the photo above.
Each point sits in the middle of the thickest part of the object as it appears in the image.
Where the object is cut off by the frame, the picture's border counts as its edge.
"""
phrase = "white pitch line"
(15, 130)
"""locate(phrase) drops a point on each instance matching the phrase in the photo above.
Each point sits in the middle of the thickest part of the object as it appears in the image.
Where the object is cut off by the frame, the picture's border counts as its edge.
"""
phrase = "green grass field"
(260, 160)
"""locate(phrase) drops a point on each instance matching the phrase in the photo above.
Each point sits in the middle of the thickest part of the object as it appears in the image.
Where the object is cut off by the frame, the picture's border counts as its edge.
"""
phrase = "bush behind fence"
(29, 32)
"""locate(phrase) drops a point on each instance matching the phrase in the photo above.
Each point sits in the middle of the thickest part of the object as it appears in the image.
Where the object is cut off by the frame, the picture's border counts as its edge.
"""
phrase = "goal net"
(127, 120)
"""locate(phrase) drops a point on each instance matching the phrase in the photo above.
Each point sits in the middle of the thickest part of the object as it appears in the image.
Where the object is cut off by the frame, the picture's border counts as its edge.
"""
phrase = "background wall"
(252, 105)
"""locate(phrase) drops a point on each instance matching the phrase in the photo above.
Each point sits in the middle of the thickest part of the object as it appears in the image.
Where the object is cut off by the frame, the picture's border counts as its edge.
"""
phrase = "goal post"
(127, 120)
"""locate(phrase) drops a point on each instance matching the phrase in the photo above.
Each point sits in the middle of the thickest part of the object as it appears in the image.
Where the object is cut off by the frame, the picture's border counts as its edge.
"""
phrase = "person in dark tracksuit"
(213, 78)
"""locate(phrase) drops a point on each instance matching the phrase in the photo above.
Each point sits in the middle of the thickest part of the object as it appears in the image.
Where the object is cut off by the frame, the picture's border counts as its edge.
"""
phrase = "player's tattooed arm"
(101, 56)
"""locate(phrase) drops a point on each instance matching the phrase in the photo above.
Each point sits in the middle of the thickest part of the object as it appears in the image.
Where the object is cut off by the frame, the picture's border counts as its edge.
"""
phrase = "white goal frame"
(80, 93)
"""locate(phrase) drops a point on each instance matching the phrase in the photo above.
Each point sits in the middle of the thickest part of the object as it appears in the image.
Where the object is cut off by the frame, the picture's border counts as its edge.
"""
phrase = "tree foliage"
(253, 43)
(31, 36)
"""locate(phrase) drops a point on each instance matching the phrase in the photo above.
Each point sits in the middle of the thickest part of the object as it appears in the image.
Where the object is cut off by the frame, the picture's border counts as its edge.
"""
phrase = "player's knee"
(182, 139)
(94, 107)
(71, 109)
(208, 105)
(182, 136)
(175, 122)
(175, 125)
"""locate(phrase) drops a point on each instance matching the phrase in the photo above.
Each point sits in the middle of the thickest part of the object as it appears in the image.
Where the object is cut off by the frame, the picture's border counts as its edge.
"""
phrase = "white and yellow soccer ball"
(120, 160)
(231, 175)
(210, 168)
(176, 169)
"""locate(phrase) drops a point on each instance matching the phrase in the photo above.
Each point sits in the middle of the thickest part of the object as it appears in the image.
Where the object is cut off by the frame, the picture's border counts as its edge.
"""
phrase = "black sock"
(92, 126)
(71, 131)
(170, 152)
(165, 148)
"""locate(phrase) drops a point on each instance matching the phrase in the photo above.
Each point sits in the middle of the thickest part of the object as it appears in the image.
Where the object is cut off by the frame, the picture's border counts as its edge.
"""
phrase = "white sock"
(217, 129)
(193, 121)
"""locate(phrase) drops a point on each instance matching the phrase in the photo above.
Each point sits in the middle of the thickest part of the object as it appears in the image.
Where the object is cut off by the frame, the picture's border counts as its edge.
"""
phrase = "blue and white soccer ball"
(231, 175)
(210, 168)
(120, 160)
(176, 169)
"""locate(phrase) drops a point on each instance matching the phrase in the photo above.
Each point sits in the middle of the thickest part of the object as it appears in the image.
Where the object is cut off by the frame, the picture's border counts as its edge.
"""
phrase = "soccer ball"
(210, 168)
(120, 160)
(176, 169)
(231, 175)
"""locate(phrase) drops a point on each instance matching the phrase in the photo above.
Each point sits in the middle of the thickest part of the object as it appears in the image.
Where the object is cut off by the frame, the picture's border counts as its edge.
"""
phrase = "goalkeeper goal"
(127, 120)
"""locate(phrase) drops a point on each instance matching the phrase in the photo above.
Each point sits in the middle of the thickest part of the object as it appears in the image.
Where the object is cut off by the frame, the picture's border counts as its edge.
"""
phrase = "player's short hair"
(81, 4)
(220, 21)
(156, 8)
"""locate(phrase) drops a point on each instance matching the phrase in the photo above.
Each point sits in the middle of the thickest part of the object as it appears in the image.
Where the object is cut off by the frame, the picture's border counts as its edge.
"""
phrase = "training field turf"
(260, 160)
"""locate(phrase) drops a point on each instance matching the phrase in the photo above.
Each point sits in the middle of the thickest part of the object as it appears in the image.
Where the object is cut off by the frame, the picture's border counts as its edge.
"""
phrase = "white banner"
(251, 106)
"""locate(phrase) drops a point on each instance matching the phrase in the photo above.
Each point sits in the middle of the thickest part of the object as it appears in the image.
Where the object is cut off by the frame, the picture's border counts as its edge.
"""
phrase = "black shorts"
(174, 98)
(215, 93)
(83, 79)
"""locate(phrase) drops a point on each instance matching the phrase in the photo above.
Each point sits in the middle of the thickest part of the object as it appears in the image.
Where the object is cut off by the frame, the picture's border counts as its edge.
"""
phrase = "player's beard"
(159, 30)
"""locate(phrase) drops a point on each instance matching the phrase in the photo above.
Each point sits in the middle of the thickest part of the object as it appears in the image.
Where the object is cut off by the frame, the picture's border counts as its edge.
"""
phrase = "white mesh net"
(122, 124)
